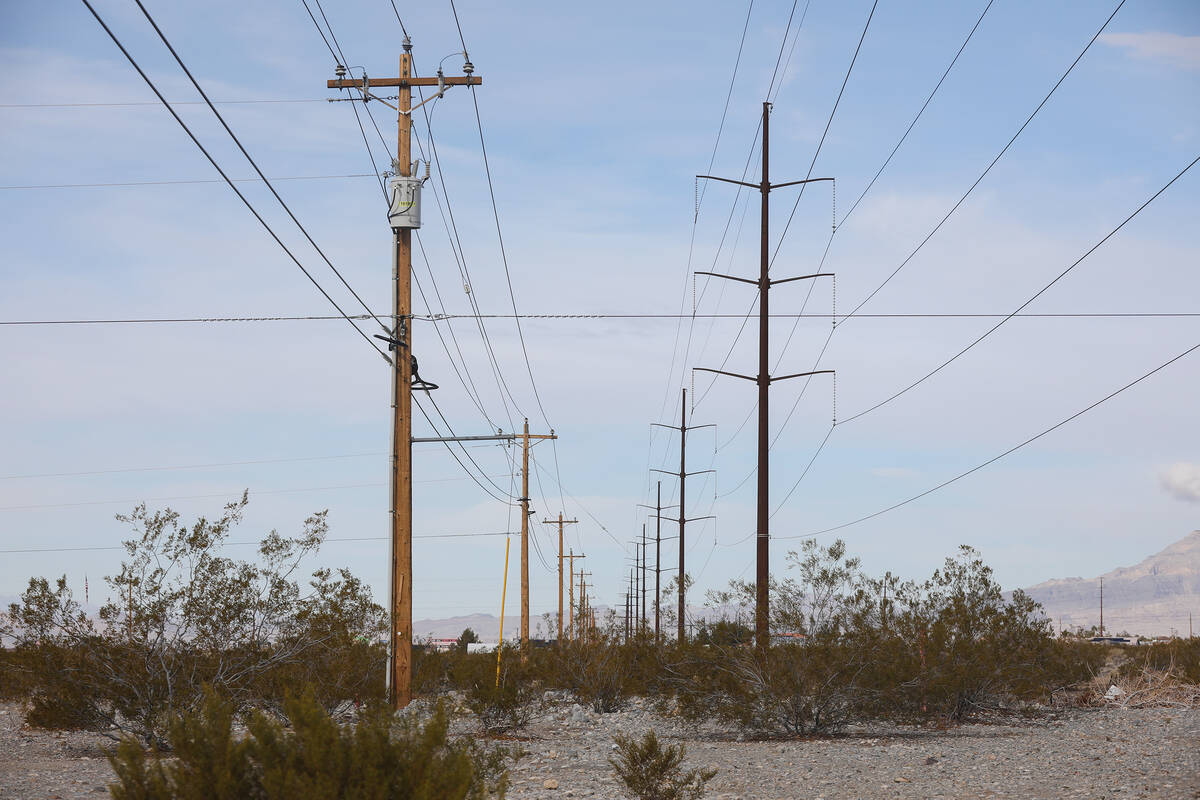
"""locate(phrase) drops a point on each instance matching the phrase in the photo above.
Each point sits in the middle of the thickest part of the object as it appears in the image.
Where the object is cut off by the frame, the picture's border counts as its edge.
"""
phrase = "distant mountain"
(1152, 598)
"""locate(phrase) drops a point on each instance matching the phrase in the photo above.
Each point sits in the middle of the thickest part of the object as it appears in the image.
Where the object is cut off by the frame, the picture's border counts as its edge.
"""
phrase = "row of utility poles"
(763, 380)
(404, 216)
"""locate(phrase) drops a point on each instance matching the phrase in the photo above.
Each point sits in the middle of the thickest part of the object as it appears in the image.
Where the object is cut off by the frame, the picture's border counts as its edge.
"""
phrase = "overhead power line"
(154, 103)
(233, 544)
(253, 163)
(180, 182)
(1007, 452)
(129, 57)
(449, 317)
(993, 163)
(1024, 305)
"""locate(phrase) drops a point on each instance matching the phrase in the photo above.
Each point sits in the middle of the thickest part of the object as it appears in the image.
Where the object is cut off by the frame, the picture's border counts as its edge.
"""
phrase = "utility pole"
(1102, 606)
(763, 379)
(571, 583)
(403, 215)
(642, 618)
(683, 474)
(525, 439)
(584, 605)
(561, 522)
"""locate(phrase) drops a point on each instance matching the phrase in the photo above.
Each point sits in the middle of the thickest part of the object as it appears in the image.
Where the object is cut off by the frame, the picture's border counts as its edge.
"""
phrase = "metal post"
(657, 559)
(762, 598)
(682, 508)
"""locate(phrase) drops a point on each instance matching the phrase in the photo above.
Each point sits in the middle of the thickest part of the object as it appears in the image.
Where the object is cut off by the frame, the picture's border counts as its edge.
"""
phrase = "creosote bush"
(378, 758)
(649, 771)
(1178, 657)
(180, 616)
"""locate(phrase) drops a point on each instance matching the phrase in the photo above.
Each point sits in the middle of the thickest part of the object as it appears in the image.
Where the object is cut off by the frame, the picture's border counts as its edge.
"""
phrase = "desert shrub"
(783, 691)
(955, 644)
(502, 705)
(604, 673)
(182, 616)
(314, 757)
(648, 771)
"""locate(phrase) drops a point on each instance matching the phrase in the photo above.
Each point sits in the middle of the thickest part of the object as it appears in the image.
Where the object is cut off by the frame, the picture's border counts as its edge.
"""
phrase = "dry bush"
(648, 771)
(1179, 657)
(314, 757)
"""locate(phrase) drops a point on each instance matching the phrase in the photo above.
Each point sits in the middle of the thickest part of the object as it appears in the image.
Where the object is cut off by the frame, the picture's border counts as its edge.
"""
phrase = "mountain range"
(1151, 598)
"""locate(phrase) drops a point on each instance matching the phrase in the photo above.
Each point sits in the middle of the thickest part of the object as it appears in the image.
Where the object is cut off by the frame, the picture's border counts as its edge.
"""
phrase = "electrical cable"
(447, 317)
(230, 544)
(1007, 452)
(1023, 305)
(233, 186)
(253, 163)
(177, 182)
(984, 174)
(153, 103)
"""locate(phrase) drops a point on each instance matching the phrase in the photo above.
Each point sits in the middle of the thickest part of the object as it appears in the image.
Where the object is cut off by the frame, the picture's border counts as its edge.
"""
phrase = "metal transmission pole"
(561, 522)
(404, 216)
(683, 519)
(525, 438)
(762, 632)
(642, 619)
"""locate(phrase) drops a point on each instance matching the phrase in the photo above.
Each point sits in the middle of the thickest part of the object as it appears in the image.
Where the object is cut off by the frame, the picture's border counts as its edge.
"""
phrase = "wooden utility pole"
(583, 605)
(525, 439)
(571, 584)
(400, 590)
(1102, 606)
(561, 522)
(762, 633)
(683, 519)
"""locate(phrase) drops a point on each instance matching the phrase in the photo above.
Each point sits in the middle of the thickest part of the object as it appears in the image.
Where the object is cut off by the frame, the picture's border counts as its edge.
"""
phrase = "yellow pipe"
(503, 592)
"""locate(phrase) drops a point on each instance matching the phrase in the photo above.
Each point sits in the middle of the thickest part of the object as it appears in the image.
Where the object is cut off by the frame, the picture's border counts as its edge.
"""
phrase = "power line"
(828, 123)
(152, 103)
(184, 497)
(1033, 297)
(954, 208)
(994, 459)
(180, 182)
(253, 163)
(984, 174)
(238, 192)
(449, 317)
(231, 544)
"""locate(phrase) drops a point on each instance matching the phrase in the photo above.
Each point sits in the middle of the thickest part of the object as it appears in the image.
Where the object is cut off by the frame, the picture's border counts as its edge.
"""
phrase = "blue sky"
(596, 121)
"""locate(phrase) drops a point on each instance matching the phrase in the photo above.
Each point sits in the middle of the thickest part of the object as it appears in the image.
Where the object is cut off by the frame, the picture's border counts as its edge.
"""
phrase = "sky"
(596, 121)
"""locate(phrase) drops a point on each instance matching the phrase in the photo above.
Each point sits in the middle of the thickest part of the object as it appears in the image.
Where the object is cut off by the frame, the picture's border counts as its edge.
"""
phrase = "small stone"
(552, 754)
(930, 760)
(549, 783)
(903, 780)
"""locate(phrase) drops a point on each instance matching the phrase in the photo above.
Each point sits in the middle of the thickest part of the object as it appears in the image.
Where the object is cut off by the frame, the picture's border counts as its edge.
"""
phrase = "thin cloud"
(1182, 481)
(1171, 49)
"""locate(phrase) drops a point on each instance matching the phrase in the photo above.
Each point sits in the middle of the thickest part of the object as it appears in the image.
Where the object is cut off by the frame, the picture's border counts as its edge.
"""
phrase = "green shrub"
(181, 616)
(648, 771)
(783, 692)
(376, 759)
(503, 705)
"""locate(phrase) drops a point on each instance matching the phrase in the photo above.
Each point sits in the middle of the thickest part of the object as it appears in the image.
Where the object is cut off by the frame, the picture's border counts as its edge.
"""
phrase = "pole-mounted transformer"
(404, 193)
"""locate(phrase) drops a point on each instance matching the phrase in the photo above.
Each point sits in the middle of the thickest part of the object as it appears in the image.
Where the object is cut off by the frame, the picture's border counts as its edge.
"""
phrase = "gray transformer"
(404, 210)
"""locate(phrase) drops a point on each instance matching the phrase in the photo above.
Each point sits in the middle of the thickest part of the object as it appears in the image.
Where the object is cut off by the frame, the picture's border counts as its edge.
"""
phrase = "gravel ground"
(1091, 754)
